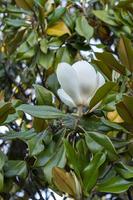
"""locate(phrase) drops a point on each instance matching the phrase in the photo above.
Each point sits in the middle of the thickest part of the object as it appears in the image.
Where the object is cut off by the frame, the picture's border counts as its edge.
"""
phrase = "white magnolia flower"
(79, 83)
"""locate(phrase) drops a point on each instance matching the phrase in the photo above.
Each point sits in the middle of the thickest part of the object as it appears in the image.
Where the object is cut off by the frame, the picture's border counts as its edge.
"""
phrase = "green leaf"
(125, 50)
(43, 96)
(58, 159)
(15, 168)
(91, 123)
(109, 60)
(24, 135)
(6, 108)
(83, 28)
(72, 157)
(1, 182)
(24, 51)
(16, 22)
(44, 112)
(52, 83)
(46, 60)
(125, 109)
(2, 160)
(68, 19)
(105, 142)
(82, 149)
(114, 185)
(113, 125)
(56, 15)
(44, 45)
(92, 144)
(63, 55)
(124, 170)
(90, 173)
(103, 68)
(54, 42)
(105, 17)
(35, 145)
(46, 155)
(32, 39)
(102, 92)
(10, 118)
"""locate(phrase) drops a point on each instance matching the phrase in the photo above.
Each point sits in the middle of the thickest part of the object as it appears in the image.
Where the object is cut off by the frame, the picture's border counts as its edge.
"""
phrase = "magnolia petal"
(87, 77)
(100, 80)
(65, 98)
(68, 80)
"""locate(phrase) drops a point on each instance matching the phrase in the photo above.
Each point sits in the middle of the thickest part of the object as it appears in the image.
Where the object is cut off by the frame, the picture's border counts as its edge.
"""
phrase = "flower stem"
(80, 111)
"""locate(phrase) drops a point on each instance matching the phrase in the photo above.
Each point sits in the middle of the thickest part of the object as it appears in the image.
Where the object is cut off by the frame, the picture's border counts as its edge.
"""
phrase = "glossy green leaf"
(124, 170)
(6, 108)
(125, 109)
(109, 60)
(44, 112)
(68, 19)
(44, 45)
(105, 142)
(58, 159)
(35, 145)
(1, 182)
(32, 39)
(63, 55)
(56, 15)
(105, 17)
(2, 160)
(15, 168)
(45, 155)
(24, 51)
(92, 144)
(114, 185)
(24, 135)
(91, 123)
(15, 22)
(72, 157)
(83, 28)
(10, 118)
(90, 173)
(102, 92)
(125, 50)
(46, 60)
(113, 125)
(103, 68)
(43, 95)
(52, 83)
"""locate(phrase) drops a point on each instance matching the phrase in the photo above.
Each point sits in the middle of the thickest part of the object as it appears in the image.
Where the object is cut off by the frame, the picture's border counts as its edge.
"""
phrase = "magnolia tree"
(66, 99)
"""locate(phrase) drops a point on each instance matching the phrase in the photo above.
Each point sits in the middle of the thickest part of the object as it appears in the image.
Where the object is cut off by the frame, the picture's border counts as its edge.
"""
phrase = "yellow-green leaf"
(64, 181)
(25, 4)
(58, 29)
(114, 117)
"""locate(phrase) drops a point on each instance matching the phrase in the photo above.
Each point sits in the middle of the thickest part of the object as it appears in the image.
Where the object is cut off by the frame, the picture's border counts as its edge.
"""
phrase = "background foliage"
(85, 157)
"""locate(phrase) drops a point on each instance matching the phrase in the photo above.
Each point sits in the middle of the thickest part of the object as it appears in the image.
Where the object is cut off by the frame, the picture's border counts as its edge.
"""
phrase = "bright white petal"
(68, 80)
(87, 77)
(65, 98)
(100, 80)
